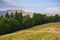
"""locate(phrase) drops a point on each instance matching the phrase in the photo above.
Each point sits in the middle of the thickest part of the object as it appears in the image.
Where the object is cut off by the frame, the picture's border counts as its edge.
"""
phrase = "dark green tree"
(44, 18)
(56, 18)
(37, 19)
(50, 19)
(8, 25)
(27, 22)
(11, 15)
(7, 15)
(19, 17)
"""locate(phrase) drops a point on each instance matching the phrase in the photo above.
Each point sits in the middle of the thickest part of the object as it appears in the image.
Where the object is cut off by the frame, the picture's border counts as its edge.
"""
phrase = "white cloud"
(11, 2)
(52, 10)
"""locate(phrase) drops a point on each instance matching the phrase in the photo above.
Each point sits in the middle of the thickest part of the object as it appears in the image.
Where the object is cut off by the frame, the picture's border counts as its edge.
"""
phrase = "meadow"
(49, 31)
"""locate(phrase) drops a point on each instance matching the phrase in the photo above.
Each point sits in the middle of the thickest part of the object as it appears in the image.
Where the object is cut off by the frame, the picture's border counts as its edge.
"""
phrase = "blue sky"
(31, 5)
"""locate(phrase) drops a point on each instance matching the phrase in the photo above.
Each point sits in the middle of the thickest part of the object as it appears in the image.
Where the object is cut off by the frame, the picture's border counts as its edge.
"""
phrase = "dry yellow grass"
(49, 31)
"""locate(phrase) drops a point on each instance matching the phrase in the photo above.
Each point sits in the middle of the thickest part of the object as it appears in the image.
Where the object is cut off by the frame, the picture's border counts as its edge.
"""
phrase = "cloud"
(10, 2)
(5, 4)
(52, 10)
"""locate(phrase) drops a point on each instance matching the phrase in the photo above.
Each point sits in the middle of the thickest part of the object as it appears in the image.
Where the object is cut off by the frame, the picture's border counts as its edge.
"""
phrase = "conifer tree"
(11, 15)
(7, 15)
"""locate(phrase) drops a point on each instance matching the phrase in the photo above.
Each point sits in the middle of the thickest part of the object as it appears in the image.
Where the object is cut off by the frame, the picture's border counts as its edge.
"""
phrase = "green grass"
(49, 31)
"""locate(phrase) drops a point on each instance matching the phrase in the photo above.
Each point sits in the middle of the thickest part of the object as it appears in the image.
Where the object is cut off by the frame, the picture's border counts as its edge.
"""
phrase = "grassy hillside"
(50, 31)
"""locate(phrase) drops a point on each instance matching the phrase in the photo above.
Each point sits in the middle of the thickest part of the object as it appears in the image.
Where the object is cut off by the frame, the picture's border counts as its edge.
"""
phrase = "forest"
(15, 22)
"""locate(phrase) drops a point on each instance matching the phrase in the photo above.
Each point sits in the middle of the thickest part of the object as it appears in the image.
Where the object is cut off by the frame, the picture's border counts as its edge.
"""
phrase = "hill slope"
(2, 13)
(50, 31)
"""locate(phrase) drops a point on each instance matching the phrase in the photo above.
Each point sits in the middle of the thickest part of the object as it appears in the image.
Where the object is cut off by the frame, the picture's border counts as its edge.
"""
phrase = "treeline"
(14, 22)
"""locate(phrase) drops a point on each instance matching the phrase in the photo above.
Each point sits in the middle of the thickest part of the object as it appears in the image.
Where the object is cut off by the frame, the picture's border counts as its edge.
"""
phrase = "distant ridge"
(24, 12)
(2, 13)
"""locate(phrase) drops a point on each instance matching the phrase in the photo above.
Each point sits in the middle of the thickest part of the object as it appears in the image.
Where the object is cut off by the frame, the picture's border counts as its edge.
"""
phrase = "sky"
(31, 5)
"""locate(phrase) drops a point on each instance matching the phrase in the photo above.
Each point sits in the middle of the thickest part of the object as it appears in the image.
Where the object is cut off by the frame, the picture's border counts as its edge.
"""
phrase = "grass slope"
(50, 31)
